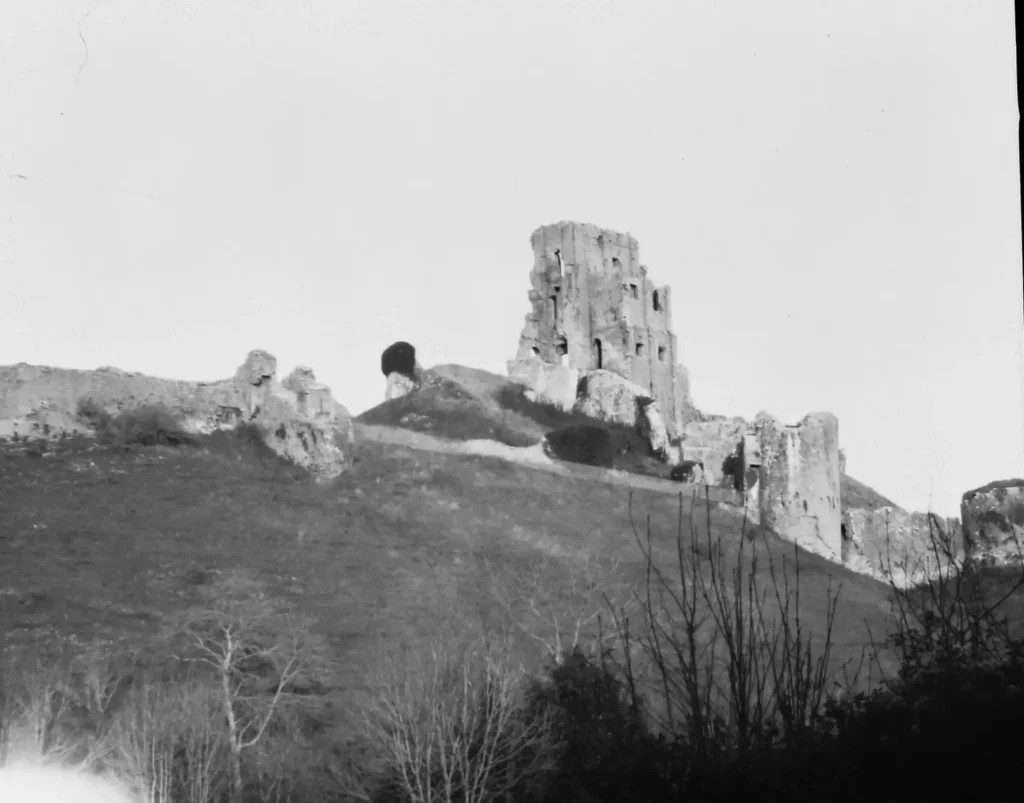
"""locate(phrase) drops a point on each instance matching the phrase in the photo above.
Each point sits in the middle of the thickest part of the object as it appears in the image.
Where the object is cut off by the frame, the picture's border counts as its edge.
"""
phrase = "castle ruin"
(594, 308)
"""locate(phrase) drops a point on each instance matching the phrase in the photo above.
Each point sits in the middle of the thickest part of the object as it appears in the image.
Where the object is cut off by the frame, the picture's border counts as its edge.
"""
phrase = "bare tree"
(732, 662)
(255, 652)
(165, 741)
(451, 728)
(40, 704)
(560, 603)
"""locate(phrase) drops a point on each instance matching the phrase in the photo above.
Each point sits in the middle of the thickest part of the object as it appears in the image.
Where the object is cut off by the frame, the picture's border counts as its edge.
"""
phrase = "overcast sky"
(832, 190)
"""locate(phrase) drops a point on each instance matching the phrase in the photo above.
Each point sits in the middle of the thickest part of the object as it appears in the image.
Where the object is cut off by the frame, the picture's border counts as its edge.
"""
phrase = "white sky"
(831, 189)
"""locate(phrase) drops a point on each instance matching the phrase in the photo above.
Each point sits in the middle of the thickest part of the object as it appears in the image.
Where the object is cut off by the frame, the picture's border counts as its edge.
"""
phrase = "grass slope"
(101, 545)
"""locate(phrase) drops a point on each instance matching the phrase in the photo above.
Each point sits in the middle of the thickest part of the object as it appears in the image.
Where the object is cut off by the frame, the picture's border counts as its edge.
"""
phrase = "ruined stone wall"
(36, 398)
(993, 523)
(298, 417)
(711, 442)
(798, 492)
(593, 307)
(889, 539)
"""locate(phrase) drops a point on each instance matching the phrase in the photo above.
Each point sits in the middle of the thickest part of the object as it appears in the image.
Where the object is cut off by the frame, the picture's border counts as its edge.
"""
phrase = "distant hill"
(854, 493)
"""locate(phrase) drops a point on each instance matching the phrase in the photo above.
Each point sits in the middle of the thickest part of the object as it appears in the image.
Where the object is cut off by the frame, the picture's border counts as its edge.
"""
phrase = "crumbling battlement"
(593, 307)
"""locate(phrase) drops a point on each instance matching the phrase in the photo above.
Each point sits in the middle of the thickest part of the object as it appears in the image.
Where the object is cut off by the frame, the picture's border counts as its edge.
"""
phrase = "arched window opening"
(562, 351)
(598, 354)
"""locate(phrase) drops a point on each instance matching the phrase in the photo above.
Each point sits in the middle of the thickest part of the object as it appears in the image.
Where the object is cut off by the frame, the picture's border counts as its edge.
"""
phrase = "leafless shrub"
(255, 654)
(452, 728)
(167, 742)
(948, 619)
(559, 603)
(42, 719)
(729, 662)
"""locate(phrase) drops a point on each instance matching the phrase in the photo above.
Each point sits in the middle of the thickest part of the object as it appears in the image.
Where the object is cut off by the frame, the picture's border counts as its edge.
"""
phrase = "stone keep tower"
(593, 307)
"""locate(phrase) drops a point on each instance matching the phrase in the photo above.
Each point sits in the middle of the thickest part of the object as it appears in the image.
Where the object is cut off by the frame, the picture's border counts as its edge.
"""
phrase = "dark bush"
(631, 447)
(584, 443)
(513, 397)
(959, 696)
(608, 751)
(150, 425)
(400, 358)
(732, 471)
(685, 471)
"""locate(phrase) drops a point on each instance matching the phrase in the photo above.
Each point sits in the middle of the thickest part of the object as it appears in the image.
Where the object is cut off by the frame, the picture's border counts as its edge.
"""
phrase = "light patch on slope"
(528, 454)
(34, 783)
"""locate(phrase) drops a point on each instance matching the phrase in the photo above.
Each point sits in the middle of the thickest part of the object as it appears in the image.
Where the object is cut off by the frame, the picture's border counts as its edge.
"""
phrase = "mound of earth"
(468, 404)
(448, 409)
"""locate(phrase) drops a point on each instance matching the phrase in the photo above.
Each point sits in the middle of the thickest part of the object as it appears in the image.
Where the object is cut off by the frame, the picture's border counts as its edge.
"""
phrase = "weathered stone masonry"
(593, 307)
(795, 488)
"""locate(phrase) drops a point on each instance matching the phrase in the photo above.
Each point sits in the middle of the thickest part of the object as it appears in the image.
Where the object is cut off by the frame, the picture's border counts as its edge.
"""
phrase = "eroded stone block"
(993, 523)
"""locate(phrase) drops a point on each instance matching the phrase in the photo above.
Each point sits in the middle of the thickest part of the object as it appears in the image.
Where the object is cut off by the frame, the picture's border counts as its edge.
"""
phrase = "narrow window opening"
(554, 308)
(636, 290)
(562, 350)
(598, 354)
(657, 301)
(661, 353)
(639, 349)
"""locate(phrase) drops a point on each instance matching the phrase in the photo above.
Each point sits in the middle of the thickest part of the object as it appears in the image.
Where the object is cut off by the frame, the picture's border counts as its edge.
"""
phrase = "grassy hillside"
(109, 549)
(103, 544)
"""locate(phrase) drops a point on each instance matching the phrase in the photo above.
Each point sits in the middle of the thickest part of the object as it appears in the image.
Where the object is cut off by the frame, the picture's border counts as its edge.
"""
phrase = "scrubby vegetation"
(713, 671)
(578, 438)
(149, 425)
(589, 444)
(445, 409)
(512, 396)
